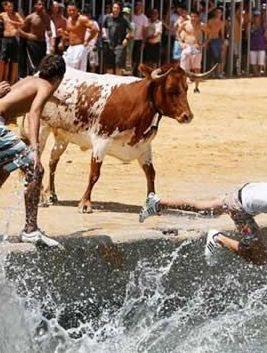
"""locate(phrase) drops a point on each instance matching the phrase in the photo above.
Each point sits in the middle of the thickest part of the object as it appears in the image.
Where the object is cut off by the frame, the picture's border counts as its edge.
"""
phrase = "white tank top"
(254, 198)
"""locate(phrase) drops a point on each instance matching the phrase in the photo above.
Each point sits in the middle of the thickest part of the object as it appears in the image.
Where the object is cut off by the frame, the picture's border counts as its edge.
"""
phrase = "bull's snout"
(185, 117)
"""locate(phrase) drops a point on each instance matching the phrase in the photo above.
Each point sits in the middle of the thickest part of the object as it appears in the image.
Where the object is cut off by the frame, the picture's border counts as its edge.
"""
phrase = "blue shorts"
(14, 153)
(177, 50)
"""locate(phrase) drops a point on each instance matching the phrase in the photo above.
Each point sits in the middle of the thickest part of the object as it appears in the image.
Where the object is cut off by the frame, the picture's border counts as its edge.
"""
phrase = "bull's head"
(168, 86)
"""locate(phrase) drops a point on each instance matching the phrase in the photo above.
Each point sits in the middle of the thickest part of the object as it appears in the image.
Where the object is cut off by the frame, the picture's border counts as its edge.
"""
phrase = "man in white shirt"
(242, 205)
(141, 23)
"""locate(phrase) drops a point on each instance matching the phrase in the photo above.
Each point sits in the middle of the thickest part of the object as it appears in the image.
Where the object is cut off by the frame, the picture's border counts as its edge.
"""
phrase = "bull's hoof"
(85, 209)
(52, 199)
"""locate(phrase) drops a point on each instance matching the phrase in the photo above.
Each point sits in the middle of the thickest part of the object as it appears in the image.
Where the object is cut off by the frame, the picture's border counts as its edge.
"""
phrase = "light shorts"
(76, 57)
(191, 58)
(14, 153)
(257, 57)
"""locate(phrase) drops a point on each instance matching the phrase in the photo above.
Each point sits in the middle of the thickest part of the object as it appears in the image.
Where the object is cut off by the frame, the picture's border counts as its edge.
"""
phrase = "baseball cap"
(126, 10)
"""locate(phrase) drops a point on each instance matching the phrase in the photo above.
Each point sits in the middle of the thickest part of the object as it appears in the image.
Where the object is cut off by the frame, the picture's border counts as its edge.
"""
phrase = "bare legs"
(33, 184)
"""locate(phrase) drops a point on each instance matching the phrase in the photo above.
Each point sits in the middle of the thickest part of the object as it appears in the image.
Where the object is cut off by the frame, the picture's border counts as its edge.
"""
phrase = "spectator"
(33, 30)
(9, 55)
(93, 56)
(177, 49)
(116, 33)
(77, 25)
(101, 18)
(215, 30)
(60, 23)
(237, 39)
(141, 23)
(127, 12)
(191, 34)
(152, 46)
(258, 35)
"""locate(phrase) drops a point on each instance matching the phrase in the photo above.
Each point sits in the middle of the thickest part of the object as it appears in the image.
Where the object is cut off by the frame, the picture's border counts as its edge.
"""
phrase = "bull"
(113, 115)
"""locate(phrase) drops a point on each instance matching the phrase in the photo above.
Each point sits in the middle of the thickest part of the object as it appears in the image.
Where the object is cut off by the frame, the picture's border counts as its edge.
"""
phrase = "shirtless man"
(29, 95)
(10, 49)
(34, 28)
(215, 31)
(242, 204)
(77, 25)
(191, 34)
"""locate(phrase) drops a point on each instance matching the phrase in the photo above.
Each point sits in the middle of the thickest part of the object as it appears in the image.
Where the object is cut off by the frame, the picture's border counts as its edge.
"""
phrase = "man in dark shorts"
(33, 30)
(116, 34)
(9, 54)
(29, 95)
(242, 205)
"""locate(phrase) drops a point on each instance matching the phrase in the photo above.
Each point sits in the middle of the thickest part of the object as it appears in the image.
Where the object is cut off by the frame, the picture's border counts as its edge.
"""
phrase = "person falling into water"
(28, 96)
(242, 205)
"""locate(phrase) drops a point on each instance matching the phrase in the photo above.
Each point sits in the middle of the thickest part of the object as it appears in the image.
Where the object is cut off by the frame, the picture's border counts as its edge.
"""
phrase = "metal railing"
(236, 62)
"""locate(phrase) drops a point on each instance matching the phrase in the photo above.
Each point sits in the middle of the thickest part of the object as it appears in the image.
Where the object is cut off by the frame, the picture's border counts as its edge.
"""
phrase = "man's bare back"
(19, 100)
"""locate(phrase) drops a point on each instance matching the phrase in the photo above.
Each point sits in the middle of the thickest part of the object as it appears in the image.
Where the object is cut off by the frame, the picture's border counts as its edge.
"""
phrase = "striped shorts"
(14, 153)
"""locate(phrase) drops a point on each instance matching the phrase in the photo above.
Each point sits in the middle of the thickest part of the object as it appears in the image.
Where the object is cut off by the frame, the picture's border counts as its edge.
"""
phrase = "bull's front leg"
(58, 149)
(145, 161)
(85, 205)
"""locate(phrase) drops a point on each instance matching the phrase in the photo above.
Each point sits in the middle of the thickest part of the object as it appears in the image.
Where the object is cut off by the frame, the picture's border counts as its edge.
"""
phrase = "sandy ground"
(224, 145)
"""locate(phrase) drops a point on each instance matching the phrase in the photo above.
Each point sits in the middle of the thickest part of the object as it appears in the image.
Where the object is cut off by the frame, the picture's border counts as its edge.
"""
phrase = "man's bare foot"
(4, 88)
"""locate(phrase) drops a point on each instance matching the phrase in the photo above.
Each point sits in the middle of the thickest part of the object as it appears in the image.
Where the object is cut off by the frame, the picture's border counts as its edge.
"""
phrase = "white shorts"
(76, 56)
(257, 57)
(191, 58)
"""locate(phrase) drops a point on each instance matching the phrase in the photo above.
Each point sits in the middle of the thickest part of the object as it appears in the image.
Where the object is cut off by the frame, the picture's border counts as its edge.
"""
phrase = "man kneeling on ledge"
(242, 205)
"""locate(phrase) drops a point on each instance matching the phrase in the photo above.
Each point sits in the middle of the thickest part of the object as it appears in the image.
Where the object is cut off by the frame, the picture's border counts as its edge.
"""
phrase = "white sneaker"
(151, 208)
(39, 237)
(212, 246)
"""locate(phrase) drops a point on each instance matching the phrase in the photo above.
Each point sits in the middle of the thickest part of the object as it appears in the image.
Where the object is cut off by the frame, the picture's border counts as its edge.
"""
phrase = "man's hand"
(4, 88)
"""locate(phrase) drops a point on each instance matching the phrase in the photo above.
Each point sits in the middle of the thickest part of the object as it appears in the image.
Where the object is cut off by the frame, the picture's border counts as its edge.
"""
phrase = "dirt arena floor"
(224, 145)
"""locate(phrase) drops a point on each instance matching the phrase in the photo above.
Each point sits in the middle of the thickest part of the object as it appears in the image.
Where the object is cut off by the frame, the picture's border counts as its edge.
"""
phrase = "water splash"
(175, 304)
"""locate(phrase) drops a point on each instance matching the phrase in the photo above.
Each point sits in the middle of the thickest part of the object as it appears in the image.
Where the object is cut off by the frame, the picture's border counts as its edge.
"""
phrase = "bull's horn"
(193, 75)
(155, 74)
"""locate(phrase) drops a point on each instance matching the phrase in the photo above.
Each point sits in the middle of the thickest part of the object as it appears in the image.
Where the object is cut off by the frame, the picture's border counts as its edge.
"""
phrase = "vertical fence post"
(248, 36)
(231, 40)
(239, 59)
(101, 68)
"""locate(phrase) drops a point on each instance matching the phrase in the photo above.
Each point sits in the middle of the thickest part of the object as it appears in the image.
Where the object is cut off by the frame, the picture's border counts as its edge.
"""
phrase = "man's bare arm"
(90, 25)
(34, 117)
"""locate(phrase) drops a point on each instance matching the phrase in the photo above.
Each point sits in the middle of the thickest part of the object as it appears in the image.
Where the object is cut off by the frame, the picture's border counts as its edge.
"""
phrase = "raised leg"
(58, 149)
(145, 161)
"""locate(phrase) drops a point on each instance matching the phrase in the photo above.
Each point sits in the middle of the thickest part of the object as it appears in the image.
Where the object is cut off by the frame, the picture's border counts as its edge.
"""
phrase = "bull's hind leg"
(85, 205)
(58, 149)
(145, 161)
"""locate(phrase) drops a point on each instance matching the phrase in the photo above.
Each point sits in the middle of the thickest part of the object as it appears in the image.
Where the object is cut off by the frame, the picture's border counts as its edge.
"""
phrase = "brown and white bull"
(113, 115)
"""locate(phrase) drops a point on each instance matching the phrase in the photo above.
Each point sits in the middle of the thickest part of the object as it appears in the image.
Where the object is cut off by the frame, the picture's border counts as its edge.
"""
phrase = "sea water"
(175, 304)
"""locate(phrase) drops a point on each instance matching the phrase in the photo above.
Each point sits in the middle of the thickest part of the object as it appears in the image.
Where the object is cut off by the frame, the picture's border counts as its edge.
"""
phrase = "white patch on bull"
(60, 112)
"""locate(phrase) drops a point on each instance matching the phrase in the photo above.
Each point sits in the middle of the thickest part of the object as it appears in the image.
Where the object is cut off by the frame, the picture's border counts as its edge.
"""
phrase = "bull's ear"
(145, 70)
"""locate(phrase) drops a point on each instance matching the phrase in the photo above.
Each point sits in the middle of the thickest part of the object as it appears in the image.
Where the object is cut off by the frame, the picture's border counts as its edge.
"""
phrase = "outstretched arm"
(213, 206)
